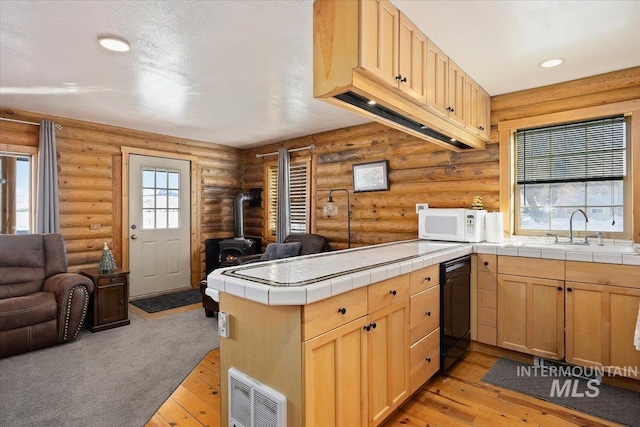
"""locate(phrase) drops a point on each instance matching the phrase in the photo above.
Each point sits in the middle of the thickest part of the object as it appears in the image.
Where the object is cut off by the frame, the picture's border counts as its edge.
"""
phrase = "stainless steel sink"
(606, 249)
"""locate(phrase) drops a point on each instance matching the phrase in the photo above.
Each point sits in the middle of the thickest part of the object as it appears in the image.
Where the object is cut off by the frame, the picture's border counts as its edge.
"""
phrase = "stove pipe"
(238, 213)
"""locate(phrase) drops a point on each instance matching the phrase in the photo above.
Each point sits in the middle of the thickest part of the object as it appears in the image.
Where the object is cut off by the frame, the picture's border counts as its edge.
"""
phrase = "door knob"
(134, 237)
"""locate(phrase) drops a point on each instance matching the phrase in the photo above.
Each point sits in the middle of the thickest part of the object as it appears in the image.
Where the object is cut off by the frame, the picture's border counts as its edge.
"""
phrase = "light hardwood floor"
(457, 398)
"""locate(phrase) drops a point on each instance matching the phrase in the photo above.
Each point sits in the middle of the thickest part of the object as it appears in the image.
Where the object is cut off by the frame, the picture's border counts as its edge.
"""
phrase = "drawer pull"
(373, 325)
(428, 359)
(342, 310)
(428, 278)
(427, 313)
(368, 327)
(569, 289)
(486, 263)
(113, 280)
(559, 288)
(393, 292)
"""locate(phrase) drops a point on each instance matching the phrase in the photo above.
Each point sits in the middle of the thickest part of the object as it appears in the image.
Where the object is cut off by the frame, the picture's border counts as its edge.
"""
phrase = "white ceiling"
(239, 73)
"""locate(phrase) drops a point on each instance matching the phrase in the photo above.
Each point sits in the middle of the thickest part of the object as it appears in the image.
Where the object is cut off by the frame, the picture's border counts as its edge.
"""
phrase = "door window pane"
(160, 198)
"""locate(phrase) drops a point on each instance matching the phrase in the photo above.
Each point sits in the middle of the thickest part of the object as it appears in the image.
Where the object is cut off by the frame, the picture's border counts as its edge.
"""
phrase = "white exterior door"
(159, 224)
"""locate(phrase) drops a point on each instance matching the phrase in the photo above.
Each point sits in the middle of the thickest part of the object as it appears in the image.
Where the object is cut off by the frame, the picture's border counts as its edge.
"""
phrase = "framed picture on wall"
(372, 176)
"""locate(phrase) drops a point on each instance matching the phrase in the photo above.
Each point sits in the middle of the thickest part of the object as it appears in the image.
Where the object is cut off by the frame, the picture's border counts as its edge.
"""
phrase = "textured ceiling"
(239, 73)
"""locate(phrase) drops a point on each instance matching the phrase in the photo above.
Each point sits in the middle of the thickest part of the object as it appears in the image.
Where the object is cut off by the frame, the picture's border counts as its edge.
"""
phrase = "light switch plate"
(223, 324)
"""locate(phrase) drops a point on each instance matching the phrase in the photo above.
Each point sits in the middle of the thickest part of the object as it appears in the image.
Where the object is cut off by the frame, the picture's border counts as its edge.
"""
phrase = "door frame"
(195, 201)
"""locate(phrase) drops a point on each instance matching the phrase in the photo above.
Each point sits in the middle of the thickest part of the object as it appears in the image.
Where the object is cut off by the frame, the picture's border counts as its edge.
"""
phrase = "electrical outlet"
(223, 324)
(95, 227)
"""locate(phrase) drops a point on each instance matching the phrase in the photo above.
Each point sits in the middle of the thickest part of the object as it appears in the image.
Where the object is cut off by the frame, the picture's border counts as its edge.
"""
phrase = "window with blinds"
(298, 196)
(572, 166)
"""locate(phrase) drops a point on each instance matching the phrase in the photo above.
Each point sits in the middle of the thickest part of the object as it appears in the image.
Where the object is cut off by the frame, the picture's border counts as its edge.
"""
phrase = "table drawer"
(425, 359)
(424, 313)
(114, 280)
(388, 292)
(423, 279)
(327, 314)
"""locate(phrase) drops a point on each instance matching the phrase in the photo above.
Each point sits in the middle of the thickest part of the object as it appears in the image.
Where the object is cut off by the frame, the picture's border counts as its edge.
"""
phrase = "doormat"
(561, 385)
(168, 301)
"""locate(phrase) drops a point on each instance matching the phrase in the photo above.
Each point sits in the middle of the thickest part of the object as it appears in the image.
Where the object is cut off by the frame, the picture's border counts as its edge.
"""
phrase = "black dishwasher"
(455, 305)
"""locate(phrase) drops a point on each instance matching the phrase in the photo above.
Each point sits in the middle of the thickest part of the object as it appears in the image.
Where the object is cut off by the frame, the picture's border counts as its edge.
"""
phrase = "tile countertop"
(310, 278)
(307, 279)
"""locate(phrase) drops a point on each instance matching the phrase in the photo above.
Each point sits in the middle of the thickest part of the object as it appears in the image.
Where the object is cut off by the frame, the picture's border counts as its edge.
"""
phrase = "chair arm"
(72, 292)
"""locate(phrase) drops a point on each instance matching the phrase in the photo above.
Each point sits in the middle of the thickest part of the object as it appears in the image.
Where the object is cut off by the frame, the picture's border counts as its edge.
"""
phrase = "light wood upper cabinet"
(379, 42)
(393, 49)
(445, 85)
(412, 71)
(531, 315)
(335, 377)
(484, 114)
(477, 109)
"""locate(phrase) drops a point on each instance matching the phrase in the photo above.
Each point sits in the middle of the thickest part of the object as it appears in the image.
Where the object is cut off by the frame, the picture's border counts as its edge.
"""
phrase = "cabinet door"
(622, 309)
(111, 303)
(388, 360)
(335, 375)
(584, 323)
(437, 79)
(484, 114)
(531, 315)
(412, 61)
(455, 93)
(471, 113)
(379, 26)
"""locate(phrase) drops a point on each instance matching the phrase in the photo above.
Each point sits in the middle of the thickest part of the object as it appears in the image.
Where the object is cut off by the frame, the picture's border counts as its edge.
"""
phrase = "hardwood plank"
(157, 421)
(176, 415)
(203, 411)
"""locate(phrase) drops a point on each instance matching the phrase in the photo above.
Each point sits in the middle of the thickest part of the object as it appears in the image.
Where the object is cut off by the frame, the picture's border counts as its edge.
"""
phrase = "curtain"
(48, 217)
(283, 226)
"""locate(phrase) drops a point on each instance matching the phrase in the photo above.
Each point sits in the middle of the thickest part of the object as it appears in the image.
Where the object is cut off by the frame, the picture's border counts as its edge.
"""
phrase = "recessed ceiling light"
(552, 63)
(114, 43)
(371, 102)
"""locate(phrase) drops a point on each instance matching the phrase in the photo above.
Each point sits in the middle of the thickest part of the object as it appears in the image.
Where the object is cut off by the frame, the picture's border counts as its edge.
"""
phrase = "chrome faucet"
(571, 223)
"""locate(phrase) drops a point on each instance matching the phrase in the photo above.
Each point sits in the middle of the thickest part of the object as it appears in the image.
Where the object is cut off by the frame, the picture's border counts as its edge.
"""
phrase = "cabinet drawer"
(487, 281)
(388, 292)
(424, 313)
(115, 280)
(531, 267)
(488, 263)
(425, 359)
(327, 314)
(423, 279)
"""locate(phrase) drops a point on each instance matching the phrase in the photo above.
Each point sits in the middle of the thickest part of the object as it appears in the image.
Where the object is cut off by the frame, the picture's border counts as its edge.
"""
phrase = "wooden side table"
(108, 306)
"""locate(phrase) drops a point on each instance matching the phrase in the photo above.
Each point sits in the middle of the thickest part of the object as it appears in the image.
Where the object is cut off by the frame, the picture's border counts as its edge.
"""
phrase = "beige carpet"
(118, 377)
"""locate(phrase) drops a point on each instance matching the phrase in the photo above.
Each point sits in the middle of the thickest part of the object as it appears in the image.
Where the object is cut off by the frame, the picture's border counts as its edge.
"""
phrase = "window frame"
(507, 129)
(32, 153)
(269, 232)
(627, 212)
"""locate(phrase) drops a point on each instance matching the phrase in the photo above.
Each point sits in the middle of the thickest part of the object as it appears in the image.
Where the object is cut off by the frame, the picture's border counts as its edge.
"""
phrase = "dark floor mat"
(168, 301)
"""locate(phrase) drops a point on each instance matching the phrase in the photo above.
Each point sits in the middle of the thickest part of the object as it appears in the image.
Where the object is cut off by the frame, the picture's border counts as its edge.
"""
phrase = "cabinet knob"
(342, 310)
(373, 325)
(121, 302)
(428, 278)
(393, 292)
(486, 263)
(113, 280)
(569, 289)
(428, 359)
(427, 313)
(367, 327)
(402, 79)
(559, 288)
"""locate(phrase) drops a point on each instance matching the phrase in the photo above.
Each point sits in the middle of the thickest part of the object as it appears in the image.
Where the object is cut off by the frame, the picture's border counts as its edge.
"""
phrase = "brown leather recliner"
(40, 303)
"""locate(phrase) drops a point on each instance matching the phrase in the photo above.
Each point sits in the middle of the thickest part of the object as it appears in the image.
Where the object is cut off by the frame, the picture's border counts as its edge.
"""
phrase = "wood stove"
(231, 249)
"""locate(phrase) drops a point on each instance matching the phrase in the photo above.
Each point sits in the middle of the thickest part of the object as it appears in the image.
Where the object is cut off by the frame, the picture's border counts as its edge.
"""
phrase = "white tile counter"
(307, 279)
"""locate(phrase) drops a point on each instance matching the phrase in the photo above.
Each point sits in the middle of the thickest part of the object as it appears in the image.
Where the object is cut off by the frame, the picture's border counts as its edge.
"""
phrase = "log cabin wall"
(89, 167)
(419, 171)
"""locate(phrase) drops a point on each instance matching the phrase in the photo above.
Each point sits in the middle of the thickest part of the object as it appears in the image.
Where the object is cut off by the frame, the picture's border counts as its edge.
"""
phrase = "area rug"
(168, 301)
(603, 401)
(117, 377)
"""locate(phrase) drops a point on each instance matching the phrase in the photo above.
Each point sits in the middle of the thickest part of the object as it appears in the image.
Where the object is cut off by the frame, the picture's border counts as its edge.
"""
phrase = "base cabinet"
(531, 315)
(108, 305)
(388, 358)
(335, 377)
(600, 324)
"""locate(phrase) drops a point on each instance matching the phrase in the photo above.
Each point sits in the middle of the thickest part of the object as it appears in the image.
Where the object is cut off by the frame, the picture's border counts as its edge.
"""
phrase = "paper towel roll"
(494, 227)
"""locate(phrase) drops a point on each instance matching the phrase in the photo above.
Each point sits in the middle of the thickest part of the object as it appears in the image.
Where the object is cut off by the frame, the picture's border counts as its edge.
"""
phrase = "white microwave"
(454, 225)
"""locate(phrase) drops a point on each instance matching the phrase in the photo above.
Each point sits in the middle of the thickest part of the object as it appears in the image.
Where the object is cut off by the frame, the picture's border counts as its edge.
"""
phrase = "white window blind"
(577, 152)
(298, 197)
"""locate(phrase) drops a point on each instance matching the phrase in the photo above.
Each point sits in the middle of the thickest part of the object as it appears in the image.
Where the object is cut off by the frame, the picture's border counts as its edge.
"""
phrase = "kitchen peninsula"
(334, 332)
